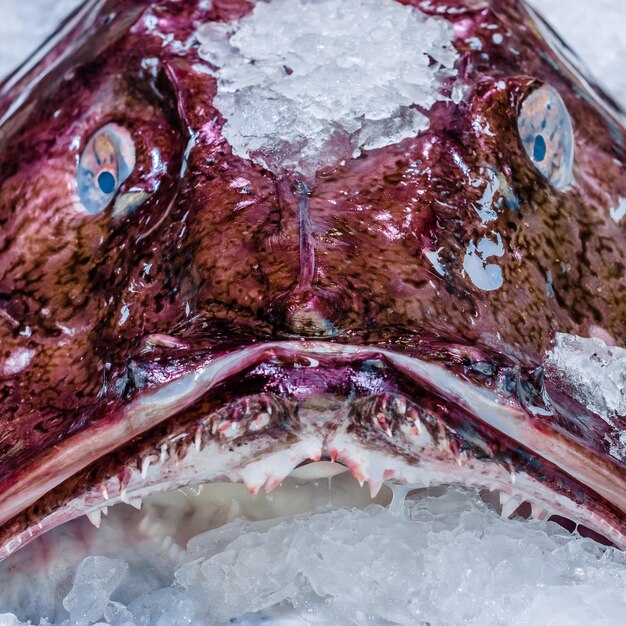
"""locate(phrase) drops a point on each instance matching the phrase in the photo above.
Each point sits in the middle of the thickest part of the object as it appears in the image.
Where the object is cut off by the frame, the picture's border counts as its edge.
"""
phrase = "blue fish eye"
(106, 162)
(547, 136)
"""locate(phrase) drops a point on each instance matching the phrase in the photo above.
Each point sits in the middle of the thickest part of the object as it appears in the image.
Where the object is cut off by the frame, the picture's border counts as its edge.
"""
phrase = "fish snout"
(309, 312)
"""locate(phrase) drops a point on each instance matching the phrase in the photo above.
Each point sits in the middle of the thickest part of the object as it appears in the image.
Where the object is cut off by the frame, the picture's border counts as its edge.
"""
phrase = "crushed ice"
(594, 373)
(450, 560)
(305, 84)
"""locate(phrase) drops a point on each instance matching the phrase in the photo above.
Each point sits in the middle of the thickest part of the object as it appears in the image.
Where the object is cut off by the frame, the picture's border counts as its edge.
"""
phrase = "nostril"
(308, 312)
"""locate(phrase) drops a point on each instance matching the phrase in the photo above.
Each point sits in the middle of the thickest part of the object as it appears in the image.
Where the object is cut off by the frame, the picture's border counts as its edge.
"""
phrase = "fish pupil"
(106, 182)
(540, 149)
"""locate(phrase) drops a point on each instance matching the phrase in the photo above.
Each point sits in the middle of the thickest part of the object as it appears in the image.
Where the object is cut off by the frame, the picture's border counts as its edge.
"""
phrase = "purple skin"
(215, 325)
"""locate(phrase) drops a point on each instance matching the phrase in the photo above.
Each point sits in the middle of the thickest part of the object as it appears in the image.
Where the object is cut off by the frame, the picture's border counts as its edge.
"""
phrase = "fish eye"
(545, 128)
(106, 162)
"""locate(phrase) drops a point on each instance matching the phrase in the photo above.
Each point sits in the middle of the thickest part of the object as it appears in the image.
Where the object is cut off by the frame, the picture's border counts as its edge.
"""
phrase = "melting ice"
(450, 560)
(305, 84)
(594, 373)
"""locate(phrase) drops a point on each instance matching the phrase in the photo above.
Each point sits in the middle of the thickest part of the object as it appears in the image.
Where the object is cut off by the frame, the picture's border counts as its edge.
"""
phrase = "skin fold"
(204, 256)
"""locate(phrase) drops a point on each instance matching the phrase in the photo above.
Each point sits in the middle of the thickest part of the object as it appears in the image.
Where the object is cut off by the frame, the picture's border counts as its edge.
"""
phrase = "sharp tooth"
(105, 510)
(509, 507)
(418, 426)
(136, 502)
(105, 492)
(145, 524)
(375, 486)
(164, 453)
(145, 465)
(198, 439)
(512, 473)
(234, 511)
(252, 487)
(272, 482)
(175, 552)
(124, 496)
(95, 517)
(399, 404)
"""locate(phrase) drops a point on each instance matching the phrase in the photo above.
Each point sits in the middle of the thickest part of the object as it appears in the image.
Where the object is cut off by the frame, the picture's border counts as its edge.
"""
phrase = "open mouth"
(195, 549)
(260, 414)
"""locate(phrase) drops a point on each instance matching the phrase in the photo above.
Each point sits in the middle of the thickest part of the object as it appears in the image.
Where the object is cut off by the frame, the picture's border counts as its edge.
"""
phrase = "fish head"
(220, 261)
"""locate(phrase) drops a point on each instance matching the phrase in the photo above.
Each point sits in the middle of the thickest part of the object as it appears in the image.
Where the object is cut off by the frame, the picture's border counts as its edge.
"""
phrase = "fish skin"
(215, 266)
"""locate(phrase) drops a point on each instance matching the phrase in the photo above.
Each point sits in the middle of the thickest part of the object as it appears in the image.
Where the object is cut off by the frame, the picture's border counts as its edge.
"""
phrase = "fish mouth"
(266, 412)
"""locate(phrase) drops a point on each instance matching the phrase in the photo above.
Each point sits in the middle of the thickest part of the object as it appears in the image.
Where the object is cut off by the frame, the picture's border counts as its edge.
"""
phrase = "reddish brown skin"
(225, 262)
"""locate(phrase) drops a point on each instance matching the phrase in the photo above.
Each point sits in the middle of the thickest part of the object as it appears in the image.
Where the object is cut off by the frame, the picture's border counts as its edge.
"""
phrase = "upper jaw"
(414, 421)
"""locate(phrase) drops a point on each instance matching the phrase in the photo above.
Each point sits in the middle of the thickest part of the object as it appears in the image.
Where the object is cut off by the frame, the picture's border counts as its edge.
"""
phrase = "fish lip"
(503, 416)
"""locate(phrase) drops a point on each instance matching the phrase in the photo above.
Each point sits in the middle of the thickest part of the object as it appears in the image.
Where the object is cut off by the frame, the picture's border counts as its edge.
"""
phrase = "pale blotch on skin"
(485, 276)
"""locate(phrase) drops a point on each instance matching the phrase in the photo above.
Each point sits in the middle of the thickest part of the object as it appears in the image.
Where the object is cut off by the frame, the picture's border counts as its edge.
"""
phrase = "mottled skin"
(213, 256)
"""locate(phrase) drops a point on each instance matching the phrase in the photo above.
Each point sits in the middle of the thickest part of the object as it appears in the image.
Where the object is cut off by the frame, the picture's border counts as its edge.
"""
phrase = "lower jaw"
(182, 464)
(153, 540)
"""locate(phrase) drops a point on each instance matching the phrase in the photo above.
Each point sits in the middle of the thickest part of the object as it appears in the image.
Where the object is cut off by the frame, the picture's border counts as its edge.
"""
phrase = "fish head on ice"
(239, 237)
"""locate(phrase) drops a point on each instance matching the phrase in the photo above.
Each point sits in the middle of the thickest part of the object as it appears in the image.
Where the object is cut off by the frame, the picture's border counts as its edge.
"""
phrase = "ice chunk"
(96, 579)
(594, 373)
(450, 560)
(164, 607)
(7, 619)
(305, 84)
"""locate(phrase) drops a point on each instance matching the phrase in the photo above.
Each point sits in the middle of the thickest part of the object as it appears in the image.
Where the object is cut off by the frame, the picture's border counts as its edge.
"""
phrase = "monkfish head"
(240, 237)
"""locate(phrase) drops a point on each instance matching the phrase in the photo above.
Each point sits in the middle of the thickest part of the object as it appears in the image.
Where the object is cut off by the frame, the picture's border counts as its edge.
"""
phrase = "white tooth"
(105, 492)
(145, 465)
(418, 426)
(124, 496)
(400, 405)
(198, 439)
(375, 486)
(175, 552)
(509, 507)
(136, 502)
(252, 484)
(145, 524)
(164, 454)
(234, 511)
(105, 510)
(95, 517)
(261, 421)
